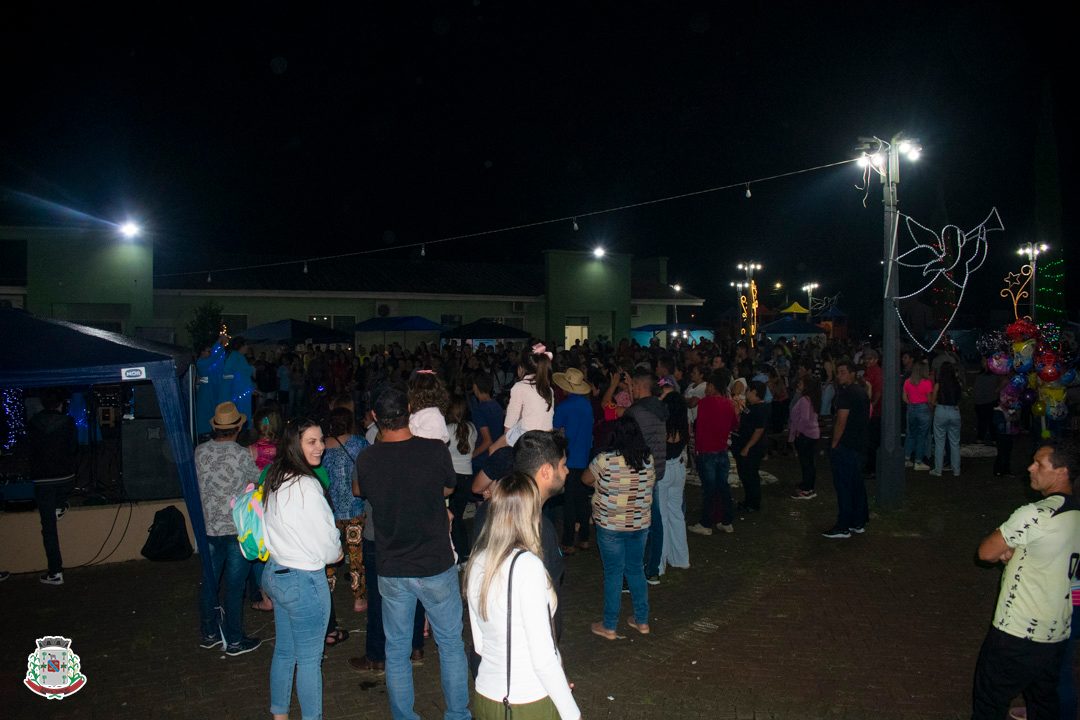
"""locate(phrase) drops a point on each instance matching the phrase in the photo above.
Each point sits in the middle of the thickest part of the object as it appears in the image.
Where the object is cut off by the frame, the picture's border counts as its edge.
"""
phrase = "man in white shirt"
(1040, 544)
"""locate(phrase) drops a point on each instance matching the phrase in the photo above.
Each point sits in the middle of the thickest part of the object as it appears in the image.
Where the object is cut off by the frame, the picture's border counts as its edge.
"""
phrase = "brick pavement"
(771, 622)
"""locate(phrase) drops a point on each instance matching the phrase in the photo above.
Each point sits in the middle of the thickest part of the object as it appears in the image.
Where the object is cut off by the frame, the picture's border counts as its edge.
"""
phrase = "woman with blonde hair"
(520, 666)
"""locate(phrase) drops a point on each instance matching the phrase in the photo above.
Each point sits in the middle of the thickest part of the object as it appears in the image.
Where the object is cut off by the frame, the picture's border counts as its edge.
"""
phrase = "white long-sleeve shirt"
(527, 407)
(299, 525)
(536, 671)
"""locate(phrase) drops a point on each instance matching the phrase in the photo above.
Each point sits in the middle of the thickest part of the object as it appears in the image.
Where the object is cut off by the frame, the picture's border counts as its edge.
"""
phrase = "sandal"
(599, 629)
(336, 637)
(642, 628)
(264, 605)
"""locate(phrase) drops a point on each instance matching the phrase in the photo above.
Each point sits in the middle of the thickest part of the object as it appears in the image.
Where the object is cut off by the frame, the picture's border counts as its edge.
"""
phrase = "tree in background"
(205, 326)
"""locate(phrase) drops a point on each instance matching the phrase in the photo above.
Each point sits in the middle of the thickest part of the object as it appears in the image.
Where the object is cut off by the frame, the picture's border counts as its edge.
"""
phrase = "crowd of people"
(378, 455)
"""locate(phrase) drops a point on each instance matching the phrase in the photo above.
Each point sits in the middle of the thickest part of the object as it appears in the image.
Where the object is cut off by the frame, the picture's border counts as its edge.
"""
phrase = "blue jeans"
(670, 500)
(713, 469)
(947, 423)
(622, 551)
(375, 643)
(229, 565)
(441, 596)
(918, 432)
(852, 507)
(656, 532)
(301, 611)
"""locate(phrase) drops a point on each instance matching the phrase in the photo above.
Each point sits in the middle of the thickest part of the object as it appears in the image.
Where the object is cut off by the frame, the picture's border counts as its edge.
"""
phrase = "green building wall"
(582, 285)
(92, 277)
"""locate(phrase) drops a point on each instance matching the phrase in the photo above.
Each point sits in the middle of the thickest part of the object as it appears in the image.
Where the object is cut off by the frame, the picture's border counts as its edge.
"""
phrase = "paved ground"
(771, 622)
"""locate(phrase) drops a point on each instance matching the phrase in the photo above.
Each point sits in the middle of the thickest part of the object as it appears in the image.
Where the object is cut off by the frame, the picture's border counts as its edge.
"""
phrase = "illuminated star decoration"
(949, 258)
(1016, 288)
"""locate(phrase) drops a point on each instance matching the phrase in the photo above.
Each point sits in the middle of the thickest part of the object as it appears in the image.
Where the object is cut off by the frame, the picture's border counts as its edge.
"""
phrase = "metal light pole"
(1032, 252)
(809, 289)
(678, 289)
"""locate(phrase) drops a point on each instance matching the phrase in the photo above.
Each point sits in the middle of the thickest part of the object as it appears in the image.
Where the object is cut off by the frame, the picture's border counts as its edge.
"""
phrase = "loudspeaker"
(144, 401)
(148, 466)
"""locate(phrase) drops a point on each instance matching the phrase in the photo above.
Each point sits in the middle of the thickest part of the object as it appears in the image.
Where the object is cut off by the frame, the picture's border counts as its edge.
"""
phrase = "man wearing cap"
(224, 468)
(574, 416)
(406, 478)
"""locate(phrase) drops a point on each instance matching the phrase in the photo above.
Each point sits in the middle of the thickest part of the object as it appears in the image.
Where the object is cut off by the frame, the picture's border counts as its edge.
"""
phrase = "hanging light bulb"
(747, 189)
(208, 278)
(305, 267)
(575, 225)
(423, 250)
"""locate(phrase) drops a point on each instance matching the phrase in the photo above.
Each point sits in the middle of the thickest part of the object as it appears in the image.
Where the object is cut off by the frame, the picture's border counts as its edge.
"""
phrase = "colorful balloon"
(1028, 397)
(1022, 329)
(1045, 434)
(1069, 377)
(999, 363)
(1019, 382)
(1052, 393)
(1038, 408)
(1057, 411)
(1050, 373)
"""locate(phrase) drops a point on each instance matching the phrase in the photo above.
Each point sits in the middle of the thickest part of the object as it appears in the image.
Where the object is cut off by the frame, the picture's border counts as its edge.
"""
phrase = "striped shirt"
(623, 498)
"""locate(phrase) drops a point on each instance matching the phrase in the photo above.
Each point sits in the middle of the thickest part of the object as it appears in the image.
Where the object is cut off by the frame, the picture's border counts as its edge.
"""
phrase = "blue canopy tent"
(398, 323)
(790, 328)
(294, 332)
(51, 353)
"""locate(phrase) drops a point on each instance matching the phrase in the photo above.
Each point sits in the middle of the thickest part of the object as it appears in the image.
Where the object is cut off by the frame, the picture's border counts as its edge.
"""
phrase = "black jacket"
(54, 446)
(651, 414)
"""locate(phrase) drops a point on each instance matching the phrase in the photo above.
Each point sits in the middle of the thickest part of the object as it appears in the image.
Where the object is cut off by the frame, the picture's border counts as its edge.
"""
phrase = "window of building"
(234, 323)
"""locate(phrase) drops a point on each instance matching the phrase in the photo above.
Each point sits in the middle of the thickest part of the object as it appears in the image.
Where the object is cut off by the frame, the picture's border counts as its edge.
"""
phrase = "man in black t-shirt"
(749, 445)
(849, 440)
(406, 479)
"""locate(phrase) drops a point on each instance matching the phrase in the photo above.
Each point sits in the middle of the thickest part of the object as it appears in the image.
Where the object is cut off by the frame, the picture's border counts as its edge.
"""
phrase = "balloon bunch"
(1039, 372)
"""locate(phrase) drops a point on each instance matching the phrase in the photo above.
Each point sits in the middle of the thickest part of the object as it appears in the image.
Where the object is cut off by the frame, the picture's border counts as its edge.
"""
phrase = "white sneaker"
(699, 529)
(908, 464)
(725, 528)
(922, 467)
(52, 578)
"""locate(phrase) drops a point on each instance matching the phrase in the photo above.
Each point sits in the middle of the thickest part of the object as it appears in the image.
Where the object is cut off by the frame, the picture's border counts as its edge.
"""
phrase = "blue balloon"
(1019, 381)
(1069, 376)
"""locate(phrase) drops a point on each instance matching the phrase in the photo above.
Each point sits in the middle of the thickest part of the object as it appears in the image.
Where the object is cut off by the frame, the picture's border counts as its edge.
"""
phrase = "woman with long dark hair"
(302, 540)
(622, 512)
(532, 399)
(945, 401)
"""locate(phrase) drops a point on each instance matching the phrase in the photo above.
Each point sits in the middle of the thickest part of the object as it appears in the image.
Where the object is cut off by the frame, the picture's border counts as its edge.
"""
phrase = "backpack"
(168, 538)
(247, 514)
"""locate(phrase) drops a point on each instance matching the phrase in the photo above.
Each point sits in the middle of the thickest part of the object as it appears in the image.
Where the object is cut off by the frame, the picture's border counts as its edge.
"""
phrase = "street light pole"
(890, 457)
(809, 289)
(1032, 251)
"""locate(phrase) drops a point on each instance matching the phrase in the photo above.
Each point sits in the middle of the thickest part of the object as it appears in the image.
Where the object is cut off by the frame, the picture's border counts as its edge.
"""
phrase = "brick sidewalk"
(771, 622)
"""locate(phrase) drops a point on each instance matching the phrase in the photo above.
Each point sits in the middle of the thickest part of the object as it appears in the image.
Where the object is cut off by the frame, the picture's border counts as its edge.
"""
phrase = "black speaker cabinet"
(144, 401)
(149, 469)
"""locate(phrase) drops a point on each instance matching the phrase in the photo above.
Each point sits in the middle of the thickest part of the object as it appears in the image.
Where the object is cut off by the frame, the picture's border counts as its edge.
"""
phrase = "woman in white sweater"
(302, 540)
(505, 573)
(532, 399)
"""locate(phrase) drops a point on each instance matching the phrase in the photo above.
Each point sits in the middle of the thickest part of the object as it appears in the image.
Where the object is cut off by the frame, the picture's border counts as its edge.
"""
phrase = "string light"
(511, 228)
(305, 267)
(933, 258)
(748, 190)
(423, 250)
(208, 278)
(11, 400)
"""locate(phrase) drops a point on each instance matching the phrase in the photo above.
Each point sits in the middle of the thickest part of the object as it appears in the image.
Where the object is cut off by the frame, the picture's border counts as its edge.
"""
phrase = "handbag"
(509, 622)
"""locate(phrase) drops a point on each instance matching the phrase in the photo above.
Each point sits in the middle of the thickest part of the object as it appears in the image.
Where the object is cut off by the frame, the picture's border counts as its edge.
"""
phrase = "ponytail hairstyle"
(427, 390)
(268, 424)
(456, 415)
(538, 364)
(290, 461)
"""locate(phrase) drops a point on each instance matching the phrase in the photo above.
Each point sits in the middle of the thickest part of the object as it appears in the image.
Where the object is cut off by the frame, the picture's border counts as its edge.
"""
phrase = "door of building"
(575, 333)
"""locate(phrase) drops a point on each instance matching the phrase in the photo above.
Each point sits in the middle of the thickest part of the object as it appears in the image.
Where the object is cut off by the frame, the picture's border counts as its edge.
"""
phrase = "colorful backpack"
(247, 514)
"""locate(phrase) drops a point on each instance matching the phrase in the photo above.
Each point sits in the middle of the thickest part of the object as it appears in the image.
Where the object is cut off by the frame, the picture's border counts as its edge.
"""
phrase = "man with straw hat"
(574, 416)
(224, 468)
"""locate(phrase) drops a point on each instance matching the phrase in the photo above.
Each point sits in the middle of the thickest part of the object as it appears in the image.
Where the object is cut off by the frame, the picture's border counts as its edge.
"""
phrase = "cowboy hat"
(572, 381)
(227, 417)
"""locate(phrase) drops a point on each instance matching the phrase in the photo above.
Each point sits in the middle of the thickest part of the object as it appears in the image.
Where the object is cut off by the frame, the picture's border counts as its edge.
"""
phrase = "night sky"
(282, 129)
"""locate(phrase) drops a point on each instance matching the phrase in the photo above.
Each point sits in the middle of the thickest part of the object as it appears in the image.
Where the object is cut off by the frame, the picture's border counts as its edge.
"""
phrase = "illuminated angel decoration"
(949, 258)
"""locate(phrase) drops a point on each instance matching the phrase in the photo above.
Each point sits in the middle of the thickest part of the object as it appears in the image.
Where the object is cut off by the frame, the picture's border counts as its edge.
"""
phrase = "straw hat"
(572, 381)
(227, 417)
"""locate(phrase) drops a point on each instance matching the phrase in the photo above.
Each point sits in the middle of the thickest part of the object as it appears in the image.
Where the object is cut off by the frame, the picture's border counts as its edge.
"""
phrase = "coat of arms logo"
(53, 670)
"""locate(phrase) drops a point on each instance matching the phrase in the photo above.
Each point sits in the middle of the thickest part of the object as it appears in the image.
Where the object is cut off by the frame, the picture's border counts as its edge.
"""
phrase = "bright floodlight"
(913, 154)
(1043, 247)
(876, 159)
(863, 160)
(677, 287)
(905, 147)
(129, 229)
(598, 252)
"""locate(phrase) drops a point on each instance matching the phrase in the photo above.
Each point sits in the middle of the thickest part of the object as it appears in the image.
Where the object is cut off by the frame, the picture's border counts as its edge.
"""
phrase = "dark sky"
(302, 130)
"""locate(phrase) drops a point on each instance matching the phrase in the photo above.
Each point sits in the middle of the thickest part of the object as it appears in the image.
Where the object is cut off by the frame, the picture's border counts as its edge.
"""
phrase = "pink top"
(803, 420)
(264, 452)
(527, 407)
(918, 394)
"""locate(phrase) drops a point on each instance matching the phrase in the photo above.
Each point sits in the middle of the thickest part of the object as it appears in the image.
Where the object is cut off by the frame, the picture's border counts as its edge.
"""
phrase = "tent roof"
(294, 331)
(53, 352)
(398, 323)
(790, 326)
(486, 329)
(796, 308)
(833, 312)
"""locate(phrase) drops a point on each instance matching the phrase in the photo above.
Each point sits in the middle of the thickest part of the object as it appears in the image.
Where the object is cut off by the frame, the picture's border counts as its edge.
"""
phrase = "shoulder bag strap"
(509, 621)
